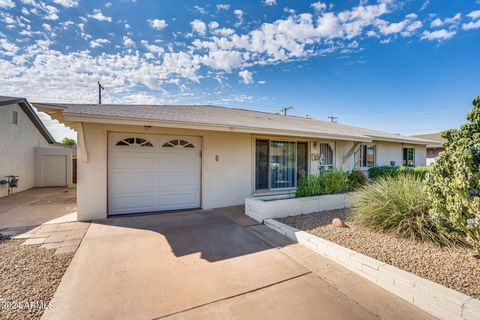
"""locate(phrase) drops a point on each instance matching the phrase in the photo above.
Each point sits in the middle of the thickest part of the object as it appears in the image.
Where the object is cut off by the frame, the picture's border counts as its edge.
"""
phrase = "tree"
(453, 185)
(69, 142)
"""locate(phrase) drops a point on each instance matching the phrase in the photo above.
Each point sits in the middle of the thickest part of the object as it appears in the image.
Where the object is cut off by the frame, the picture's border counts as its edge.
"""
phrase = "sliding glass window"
(279, 164)
(282, 164)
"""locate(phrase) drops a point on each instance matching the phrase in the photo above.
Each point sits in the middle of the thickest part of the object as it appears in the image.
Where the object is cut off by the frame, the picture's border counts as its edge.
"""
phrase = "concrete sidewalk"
(204, 265)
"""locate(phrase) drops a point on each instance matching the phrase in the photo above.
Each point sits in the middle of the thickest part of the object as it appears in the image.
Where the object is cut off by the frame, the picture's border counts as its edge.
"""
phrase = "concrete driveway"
(38, 206)
(201, 265)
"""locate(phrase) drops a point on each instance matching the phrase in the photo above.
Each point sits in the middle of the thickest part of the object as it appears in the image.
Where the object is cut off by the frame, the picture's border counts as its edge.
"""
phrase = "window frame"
(333, 148)
(269, 171)
(405, 161)
(362, 155)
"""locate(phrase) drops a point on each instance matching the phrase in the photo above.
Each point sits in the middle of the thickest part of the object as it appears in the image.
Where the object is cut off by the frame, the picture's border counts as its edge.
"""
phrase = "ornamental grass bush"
(397, 205)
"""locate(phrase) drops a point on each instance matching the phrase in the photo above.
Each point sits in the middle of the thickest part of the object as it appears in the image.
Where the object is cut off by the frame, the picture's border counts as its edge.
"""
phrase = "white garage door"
(148, 173)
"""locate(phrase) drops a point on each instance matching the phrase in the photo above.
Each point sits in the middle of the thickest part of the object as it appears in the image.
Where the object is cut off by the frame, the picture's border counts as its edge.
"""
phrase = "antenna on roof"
(100, 88)
(333, 119)
(285, 109)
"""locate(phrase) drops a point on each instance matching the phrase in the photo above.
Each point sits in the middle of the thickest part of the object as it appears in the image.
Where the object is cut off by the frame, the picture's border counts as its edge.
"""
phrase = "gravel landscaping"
(29, 275)
(455, 268)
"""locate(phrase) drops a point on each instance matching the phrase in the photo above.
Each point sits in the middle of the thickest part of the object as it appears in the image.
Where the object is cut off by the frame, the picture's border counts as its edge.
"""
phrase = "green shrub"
(356, 179)
(454, 184)
(397, 205)
(327, 182)
(376, 173)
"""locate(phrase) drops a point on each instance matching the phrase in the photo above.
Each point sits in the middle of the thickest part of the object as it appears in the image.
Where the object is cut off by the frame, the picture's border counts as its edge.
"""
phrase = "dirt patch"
(454, 268)
(29, 275)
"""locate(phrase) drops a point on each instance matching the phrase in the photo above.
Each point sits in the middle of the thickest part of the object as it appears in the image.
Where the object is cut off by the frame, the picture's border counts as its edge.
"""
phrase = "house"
(145, 158)
(28, 150)
(434, 148)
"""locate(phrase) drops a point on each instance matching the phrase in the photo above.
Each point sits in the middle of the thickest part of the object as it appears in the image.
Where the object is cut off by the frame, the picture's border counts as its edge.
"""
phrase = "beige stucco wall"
(225, 182)
(17, 144)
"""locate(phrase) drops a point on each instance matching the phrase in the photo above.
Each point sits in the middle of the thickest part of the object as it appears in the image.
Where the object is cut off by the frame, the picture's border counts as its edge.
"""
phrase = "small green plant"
(454, 183)
(376, 173)
(357, 179)
(397, 205)
(68, 142)
(327, 182)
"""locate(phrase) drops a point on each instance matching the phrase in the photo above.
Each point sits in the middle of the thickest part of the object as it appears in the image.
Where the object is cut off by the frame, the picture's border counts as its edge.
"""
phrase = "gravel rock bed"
(454, 268)
(29, 275)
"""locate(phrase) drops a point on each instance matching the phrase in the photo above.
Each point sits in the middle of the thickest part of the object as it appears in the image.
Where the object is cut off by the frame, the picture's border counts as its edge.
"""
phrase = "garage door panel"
(179, 200)
(133, 162)
(186, 179)
(128, 182)
(179, 164)
(129, 203)
(155, 179)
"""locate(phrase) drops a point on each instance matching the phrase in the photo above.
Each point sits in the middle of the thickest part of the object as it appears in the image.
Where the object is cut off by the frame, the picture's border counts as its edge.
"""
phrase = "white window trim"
(414, 163)
(374, 155)
(332, 145)
(270, 190)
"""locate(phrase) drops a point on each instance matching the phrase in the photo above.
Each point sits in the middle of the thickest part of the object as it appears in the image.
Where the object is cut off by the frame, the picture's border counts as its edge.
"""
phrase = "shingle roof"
(230, 117)
(31, 114)
(435, 137)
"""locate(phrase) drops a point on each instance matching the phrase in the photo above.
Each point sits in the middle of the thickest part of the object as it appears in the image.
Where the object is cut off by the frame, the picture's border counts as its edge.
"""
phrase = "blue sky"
(409, 67)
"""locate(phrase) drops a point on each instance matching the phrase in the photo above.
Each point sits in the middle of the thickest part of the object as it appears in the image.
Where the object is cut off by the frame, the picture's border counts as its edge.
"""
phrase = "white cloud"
(47, 27)
(67, 3)
(98, 15)
(158, 24)
(474, 14)
(247, 76)
(262, 82)
(239, 14)
(439, 35)
(471, 25)
(98, 43)
(436, 23)
(128, 42)
(454, 20)
(270, 2)
(201, 10)
(199, 26)
(222, 6)
(425, 5)
(51, 13)
(8, 48)
(7, 4)
(319, 6)
(224, 32)
(108, 4)
(213, 25)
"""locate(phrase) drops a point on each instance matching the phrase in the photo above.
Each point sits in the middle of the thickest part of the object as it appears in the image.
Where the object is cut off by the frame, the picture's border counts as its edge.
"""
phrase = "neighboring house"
(140, 158)
(434, 148)
(27, 149)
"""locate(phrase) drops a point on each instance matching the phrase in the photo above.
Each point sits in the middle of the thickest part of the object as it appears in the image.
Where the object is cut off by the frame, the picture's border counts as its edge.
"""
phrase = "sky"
(409, 67)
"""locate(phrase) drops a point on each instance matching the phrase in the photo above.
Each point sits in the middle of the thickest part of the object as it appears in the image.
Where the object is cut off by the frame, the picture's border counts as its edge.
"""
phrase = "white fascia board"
(69, 117)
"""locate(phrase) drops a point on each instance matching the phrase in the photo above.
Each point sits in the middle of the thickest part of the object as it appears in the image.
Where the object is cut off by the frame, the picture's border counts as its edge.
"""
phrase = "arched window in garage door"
(135, 142)
(178, 143)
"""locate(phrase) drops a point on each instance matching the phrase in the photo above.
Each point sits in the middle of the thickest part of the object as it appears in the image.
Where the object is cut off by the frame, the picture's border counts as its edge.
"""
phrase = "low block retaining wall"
(429, 296)
(262, 208)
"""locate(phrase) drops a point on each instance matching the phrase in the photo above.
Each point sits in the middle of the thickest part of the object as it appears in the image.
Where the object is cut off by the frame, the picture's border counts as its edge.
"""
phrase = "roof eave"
(75, 117)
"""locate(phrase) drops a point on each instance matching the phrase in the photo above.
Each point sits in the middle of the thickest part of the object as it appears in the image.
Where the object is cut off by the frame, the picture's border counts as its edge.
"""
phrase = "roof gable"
(31, 114)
